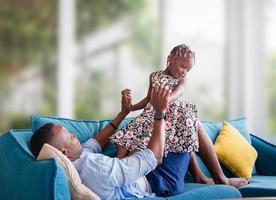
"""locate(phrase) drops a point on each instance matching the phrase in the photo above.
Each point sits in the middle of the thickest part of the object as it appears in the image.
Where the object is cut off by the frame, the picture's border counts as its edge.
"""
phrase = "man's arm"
(159, 100)
(103, 136)
(130, 168)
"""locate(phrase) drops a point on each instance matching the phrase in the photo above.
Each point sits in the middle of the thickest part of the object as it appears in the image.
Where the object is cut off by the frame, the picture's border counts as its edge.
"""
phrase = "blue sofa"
(22, 177)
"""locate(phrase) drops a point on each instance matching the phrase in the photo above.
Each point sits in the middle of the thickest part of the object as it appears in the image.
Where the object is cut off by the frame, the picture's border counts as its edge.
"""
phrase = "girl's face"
(179, 67)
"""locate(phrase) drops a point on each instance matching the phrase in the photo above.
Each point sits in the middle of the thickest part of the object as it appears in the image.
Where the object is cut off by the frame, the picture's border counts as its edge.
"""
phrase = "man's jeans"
(168, 178)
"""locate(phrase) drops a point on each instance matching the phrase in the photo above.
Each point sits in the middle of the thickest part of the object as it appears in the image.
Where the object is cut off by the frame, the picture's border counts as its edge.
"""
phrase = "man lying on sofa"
(112, 178)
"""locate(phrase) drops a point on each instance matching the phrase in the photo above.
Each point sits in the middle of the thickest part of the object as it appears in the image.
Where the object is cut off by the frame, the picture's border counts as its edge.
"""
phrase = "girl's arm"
(141, 104)
(179, 90)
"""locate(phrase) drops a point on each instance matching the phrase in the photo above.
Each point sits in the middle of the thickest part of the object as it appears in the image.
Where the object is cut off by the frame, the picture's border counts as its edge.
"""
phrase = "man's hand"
(126, 101)
(160, 97)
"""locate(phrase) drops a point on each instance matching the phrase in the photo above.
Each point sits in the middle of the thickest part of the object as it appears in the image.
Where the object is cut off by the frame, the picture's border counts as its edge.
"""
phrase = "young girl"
(181, 117)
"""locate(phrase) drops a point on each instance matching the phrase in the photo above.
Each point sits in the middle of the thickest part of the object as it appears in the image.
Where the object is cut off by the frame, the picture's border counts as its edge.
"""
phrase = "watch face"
(159, 115)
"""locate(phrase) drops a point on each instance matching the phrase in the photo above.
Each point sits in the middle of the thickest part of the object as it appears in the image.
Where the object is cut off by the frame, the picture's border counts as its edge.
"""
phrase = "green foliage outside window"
(28, 32)
(271, 86)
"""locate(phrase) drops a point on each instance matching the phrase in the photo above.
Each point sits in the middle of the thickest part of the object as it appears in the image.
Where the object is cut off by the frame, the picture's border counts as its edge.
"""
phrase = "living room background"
(71, 58)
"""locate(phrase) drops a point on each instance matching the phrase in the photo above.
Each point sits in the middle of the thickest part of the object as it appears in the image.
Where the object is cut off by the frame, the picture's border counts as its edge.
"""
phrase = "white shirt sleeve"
(92, 145)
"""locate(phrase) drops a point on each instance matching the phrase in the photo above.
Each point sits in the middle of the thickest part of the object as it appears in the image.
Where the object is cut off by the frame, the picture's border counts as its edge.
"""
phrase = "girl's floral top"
(181, 124)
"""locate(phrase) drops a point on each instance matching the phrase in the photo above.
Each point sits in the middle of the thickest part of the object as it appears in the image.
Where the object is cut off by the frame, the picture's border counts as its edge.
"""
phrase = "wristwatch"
(159, 115)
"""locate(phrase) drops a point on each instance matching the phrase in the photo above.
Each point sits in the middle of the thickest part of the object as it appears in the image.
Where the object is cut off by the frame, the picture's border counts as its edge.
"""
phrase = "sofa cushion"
(203, 191)
(84, 129)
(78, 190)
(260, 186)
(194, 191)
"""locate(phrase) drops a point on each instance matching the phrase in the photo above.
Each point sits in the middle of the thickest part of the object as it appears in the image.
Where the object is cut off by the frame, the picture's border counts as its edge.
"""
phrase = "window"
(191, 22)
(119, 43)
(123, 53)
(270, 44)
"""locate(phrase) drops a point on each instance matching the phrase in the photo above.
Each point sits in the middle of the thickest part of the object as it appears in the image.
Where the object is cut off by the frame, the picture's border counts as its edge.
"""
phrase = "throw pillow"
(235, 152)
(78, 190)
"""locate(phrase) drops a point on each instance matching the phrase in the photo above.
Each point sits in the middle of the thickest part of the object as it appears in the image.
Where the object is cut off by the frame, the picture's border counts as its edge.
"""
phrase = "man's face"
(66, 142)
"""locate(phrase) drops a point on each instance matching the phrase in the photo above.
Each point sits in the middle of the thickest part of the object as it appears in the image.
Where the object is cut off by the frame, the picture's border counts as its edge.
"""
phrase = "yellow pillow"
(78, 190)
(235, 152)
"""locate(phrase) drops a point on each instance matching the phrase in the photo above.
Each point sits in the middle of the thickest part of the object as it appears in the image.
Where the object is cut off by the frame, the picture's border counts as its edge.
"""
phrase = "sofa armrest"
(37, 180)
(265, 163)
(23, 177)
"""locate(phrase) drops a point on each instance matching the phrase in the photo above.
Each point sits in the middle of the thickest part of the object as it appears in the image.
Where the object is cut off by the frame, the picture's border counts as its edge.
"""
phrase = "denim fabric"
(167, 178)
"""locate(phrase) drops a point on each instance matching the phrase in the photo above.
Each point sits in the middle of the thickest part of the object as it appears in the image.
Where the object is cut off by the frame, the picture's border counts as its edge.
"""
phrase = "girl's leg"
(122, 152)
(132, 152)
(196, 172)
(208, 155)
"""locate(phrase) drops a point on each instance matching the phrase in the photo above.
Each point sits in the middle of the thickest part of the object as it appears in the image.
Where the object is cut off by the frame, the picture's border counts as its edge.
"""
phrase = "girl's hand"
(126, 101)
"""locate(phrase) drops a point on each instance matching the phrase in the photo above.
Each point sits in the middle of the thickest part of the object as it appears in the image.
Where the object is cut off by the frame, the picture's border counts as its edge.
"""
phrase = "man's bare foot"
(204, 180)
(236, 182)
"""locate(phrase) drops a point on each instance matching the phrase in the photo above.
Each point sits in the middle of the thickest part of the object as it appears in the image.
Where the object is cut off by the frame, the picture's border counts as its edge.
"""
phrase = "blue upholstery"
(202, 191)
(22, 177)
(266, 162)
(82, 128)
(213, 128)
(260, 186)
(194, 191)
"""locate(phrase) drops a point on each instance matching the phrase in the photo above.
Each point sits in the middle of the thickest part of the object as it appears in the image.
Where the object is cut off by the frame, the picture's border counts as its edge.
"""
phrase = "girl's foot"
(235, 182)
(205, 180)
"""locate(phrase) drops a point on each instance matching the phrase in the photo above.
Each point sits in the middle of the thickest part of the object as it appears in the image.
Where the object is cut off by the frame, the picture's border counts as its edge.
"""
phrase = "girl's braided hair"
(180, 51)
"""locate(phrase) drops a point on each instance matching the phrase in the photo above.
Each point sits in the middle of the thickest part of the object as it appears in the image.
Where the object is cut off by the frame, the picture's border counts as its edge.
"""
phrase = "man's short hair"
(41, 136)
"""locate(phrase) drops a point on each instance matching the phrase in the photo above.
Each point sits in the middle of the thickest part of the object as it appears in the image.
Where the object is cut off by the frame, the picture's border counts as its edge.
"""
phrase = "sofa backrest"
(84, 129)
(213, 128)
